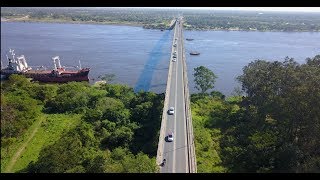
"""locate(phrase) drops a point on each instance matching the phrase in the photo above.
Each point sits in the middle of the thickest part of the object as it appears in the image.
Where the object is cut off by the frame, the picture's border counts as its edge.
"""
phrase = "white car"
(170, 137)
(174, 59)
(171, 111)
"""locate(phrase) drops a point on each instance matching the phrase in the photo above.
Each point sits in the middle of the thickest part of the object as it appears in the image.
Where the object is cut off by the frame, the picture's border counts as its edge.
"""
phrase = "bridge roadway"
(176, 152)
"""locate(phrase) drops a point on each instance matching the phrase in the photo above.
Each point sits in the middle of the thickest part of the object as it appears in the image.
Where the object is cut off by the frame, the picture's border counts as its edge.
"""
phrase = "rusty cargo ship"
(59, 74)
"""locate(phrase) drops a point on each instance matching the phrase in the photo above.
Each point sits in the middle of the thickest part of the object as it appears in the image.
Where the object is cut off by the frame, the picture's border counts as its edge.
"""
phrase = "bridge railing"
(164, 116)
(190, 136)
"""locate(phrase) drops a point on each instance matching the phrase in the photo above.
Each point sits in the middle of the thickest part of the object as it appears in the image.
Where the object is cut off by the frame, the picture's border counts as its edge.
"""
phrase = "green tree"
(280, 106)
(60, 157)
(71, 97)
(122, 136)
(204, 78)
(113, 117)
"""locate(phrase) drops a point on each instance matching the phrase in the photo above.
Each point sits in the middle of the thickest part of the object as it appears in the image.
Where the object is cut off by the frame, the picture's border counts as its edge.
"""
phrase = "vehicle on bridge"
(170, 137)
(171, 111)
(174, 59)
(174, 55)
(163, 162)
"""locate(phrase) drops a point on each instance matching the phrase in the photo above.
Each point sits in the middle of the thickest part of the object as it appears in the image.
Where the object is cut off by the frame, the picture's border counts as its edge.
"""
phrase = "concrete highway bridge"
(178, 153)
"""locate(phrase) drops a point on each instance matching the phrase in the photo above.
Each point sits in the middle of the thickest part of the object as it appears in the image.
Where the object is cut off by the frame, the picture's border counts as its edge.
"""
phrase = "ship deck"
(38, 72)
(49, 71)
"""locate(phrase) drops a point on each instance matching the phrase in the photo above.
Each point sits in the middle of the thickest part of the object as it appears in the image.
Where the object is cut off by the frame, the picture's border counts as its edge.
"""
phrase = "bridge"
(172, 24)
(179, 153)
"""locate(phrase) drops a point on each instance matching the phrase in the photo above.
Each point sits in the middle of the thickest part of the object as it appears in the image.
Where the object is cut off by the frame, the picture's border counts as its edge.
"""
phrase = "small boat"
(161, 29)
(189, 39)
(194, 53)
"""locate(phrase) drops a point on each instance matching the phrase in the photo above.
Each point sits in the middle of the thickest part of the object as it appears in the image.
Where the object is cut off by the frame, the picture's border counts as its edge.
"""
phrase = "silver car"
(171, 111)
(174, 55)
(170, 137)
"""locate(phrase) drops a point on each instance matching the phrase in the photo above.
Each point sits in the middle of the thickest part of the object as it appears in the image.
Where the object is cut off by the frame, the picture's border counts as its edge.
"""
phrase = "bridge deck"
(179, 153)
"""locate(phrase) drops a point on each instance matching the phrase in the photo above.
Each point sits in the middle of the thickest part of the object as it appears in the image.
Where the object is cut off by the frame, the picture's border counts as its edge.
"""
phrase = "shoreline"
(73, 22)
(135, 24)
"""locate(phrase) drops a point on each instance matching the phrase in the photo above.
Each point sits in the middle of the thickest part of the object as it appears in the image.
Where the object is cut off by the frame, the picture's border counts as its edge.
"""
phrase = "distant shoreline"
(134, 24)
(71, 22)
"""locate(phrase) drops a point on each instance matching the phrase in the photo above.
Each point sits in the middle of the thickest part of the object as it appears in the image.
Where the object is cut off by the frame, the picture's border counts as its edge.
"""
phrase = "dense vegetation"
(274, 128)
(117, 132)
(252, 21)
(147, 19)
(160, 18)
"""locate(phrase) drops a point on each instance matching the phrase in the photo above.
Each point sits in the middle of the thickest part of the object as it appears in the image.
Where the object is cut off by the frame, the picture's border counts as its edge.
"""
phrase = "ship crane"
(54, 63)
(12, 53)
(56, 58)
(19, 64)
(23, 63)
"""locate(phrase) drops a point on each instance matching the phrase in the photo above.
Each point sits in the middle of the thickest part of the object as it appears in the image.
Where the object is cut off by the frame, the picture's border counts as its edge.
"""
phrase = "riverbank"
(159, 26)
(245, 30)
(26, 19)
(62, 21)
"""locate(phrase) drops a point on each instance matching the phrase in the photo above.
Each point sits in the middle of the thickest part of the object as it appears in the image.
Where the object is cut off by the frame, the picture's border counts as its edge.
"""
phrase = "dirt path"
(20, 150)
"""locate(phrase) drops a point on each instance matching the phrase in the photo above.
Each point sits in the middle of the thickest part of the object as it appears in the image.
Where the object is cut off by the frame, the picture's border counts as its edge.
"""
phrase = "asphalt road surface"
(175, 152)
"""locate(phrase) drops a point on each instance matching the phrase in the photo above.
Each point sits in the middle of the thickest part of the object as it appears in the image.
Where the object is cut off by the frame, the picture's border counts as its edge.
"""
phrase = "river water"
(140, 57)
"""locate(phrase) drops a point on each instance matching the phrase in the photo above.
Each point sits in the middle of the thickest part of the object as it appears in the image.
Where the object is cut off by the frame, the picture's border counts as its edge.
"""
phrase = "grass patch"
(6, 157)
(50, 130)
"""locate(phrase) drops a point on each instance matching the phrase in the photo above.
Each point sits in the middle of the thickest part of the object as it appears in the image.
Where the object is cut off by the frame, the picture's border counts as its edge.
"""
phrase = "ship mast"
(12, 53)
(59, 65)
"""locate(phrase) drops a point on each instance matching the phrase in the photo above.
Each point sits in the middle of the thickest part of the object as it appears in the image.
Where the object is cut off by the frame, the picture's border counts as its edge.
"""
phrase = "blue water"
(226, 53)
(140, 57)
(144, 81)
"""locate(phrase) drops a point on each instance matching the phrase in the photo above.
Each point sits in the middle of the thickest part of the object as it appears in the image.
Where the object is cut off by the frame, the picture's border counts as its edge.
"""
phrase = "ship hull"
(59, 79)
(48, 77)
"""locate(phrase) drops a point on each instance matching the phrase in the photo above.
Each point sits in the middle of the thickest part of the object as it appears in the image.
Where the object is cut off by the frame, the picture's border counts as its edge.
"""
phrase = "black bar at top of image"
(159, 3)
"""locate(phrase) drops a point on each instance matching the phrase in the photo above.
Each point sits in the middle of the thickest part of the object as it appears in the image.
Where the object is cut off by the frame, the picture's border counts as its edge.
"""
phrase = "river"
(139, 57)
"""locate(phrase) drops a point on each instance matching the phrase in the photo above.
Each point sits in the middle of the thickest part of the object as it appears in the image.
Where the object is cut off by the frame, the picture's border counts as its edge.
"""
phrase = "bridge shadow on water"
(145, 78)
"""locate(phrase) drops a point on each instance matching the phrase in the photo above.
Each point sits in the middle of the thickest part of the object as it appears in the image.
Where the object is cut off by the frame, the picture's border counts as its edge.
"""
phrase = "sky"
(284, 9)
